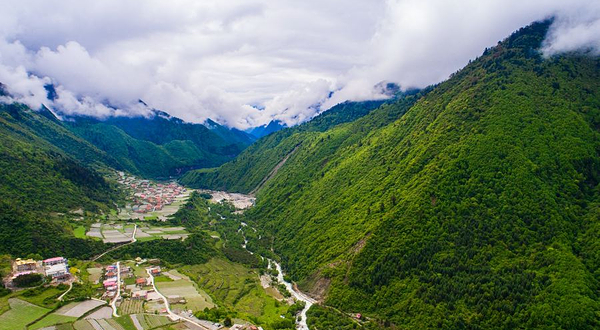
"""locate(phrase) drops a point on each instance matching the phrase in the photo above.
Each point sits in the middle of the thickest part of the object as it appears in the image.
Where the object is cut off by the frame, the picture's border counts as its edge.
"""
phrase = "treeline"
(195, 249)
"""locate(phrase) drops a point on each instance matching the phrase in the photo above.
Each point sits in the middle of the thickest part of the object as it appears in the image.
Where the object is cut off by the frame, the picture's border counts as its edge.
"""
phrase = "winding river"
(242, 202)
(301, 323)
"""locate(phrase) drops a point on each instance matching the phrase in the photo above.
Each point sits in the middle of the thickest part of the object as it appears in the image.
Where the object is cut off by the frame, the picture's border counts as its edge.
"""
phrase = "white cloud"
(215, 58)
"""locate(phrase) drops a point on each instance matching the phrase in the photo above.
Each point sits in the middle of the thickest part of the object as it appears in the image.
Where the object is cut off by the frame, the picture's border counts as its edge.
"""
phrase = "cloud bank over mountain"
(244, 63)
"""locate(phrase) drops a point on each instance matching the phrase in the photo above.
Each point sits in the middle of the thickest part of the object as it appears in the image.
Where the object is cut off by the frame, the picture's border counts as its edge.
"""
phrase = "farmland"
(52, 319)
(196, 299)
(20, 314)
(129, 306)
(119, 232)
(237, 287)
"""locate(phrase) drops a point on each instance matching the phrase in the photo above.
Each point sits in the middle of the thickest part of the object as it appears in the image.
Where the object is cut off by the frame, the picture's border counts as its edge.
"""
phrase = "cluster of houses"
(56, 268)
(111, 277)
(149, 196)
(141, 289)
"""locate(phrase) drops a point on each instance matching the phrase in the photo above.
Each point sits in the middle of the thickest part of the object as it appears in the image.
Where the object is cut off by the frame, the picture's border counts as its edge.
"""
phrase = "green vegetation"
(43, 171)
(43, 296)
(322, 318)
(195, 249)
(79, 232)
(236, 289)
(28, 280)
(160, 146)
(37, 175)
(52, 319)
(470, 205)
(23, 232)
(20, 314)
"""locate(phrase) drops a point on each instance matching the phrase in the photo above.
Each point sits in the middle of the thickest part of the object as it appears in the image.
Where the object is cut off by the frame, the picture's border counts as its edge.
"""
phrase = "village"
(139, 290)
(148, 196)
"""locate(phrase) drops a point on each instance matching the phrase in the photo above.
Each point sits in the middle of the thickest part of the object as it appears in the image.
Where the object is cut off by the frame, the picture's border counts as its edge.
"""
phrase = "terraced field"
(236, 286)
(52, 319)
(196, 299)
(151, 321)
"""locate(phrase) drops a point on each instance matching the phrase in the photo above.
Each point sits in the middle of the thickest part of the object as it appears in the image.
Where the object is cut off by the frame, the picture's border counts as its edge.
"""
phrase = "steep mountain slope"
(160, 145)
(37, 171)
(476, 208)
(250, 168)
(38, 178)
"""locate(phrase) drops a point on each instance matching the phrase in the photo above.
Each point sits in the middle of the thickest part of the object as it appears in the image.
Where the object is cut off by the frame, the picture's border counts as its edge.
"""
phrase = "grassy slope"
(477, 207)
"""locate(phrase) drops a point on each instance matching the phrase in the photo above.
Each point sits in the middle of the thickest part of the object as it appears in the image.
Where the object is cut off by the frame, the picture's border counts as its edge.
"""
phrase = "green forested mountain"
(44, 164)
(248, 170)
(161, 145)
(39, 178)
(473, 205)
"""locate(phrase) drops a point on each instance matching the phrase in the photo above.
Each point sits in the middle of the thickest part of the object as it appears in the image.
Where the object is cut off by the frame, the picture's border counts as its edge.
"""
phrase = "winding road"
(113, 303)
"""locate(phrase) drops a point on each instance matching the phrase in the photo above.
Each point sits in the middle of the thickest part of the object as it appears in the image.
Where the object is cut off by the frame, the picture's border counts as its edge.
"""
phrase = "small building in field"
(155, 271)
(139, 295)
(140, 281)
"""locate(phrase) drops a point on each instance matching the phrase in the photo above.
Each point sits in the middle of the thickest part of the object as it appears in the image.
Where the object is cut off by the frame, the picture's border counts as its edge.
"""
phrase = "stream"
(301, 323)
(241, 201)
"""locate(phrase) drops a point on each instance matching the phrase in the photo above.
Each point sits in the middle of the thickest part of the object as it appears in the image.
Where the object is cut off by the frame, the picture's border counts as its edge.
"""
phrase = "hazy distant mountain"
(160, 145)
(260, 131)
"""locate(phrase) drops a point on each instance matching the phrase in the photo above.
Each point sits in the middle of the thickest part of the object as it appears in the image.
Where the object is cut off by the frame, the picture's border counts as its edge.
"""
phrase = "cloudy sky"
(245, 62)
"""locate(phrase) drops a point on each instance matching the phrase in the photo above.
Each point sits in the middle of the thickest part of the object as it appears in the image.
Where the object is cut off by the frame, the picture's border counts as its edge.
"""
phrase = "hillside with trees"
(470, 205)
(161, 145)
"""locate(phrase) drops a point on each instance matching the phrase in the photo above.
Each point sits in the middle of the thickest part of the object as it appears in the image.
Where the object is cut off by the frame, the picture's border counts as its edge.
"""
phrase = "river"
(246, 201)
(308, 301)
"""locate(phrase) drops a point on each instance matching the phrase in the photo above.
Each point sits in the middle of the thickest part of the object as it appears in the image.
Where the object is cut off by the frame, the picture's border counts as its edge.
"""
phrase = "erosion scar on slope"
(274, 171)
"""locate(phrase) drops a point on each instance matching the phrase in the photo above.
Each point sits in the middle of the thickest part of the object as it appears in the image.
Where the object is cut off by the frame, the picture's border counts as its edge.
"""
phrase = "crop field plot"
(145, 233)
(83, 325)
(129, 306)
(102, 313)
(95, 274)
(105, 324)
(152, 321)
(52, 319)
(20, 314)
(78, 309)
(111, 233)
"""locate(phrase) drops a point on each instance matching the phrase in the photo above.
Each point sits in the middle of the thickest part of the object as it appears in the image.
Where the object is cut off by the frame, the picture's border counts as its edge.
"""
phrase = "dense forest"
(39, 181)
(473, 204)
